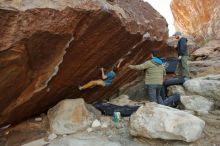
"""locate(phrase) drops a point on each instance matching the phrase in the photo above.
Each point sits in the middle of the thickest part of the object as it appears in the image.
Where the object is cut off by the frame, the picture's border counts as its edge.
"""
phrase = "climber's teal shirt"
(110, 76)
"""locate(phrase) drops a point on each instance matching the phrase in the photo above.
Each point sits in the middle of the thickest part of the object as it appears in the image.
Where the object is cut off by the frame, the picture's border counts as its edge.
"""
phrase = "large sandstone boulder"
(48, 48)
(208, 86)
(69, 116)
(197, 17)
(158, 121)
(196, 103)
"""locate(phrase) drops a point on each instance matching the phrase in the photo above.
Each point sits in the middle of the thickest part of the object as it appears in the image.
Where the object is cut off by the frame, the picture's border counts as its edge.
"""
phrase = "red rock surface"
(48, 48)
(197, 17)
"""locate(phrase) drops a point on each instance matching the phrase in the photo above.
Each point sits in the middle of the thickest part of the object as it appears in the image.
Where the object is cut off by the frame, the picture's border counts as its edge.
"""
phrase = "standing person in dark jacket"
(182, 54)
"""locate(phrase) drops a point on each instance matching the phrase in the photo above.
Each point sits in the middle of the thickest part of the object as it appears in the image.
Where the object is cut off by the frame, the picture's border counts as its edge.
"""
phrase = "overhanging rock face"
(48, 48)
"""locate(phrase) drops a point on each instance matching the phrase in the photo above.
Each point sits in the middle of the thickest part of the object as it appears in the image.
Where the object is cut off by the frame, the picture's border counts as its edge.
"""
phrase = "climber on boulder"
(106, 78)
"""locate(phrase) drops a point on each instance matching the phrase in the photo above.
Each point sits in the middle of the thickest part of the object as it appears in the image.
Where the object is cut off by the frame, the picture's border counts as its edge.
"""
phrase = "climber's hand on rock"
(102, 69)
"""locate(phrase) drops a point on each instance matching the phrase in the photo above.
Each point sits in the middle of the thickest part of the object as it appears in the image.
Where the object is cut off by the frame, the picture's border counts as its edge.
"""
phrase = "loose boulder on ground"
(158, 121)
(69, 116)
(208, 86)
(196, 103)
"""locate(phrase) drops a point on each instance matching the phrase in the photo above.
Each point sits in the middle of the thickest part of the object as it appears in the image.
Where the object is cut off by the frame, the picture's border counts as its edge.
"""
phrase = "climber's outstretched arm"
(103, 74)
(119, 63)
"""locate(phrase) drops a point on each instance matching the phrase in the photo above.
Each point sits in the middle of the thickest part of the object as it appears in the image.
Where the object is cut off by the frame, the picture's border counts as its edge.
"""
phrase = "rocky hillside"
(197, 17)
(48, 48)
(200, 19)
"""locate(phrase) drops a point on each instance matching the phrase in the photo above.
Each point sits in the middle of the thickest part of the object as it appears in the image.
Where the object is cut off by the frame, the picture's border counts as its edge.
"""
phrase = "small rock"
(96, 123)
(52, 136)
(38, 119)
(104, 125)
(89, 130)
(64, 135)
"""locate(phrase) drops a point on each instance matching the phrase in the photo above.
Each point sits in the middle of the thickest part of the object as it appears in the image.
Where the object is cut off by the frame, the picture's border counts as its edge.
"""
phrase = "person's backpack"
(171, 64)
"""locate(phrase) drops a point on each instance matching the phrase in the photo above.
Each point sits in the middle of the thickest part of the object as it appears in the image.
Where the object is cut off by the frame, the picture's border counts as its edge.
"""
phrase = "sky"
(163, 7)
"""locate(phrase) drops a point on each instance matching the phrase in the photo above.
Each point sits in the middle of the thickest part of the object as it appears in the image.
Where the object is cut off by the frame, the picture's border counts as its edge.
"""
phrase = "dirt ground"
(31, 130)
